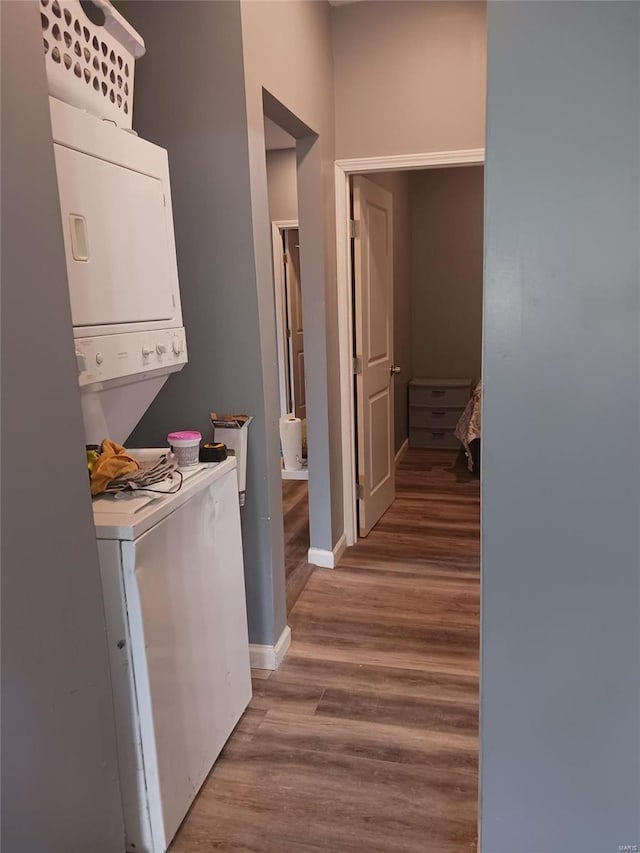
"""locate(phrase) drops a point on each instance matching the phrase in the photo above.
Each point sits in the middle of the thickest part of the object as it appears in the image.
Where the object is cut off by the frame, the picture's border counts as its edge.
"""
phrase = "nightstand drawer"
(439, 393)
(429, 437)
(427, 416)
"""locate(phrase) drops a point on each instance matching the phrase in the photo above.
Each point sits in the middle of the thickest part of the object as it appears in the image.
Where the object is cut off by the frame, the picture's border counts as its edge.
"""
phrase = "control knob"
(177, 344)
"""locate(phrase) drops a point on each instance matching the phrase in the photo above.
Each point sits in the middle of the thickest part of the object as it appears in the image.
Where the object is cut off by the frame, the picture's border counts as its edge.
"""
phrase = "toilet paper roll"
(291, 442)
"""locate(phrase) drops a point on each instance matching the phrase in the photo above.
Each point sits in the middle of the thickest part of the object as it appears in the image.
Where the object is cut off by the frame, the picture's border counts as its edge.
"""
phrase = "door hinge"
(285, 258)
(359, 491)
(357, 365)
(354, 228)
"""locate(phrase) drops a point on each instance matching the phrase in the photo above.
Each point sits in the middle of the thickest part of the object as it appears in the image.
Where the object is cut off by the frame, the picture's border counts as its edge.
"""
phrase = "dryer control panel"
(111, 357)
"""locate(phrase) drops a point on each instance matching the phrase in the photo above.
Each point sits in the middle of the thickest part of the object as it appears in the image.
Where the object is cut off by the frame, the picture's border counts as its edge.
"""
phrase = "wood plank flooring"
(295, 509)
(365, 739)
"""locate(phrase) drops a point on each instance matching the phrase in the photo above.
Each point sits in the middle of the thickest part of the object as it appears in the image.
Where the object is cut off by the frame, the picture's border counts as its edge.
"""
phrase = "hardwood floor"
(365, 739)
(295, 508)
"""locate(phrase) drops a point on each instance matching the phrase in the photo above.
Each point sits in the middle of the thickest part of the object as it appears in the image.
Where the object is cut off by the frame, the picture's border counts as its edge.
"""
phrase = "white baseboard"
(270, 657)
(327, 559)
(302, 474)
(401, 451)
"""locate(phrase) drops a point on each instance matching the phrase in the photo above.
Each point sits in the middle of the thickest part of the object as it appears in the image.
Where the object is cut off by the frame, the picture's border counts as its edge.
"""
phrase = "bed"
(468, 429)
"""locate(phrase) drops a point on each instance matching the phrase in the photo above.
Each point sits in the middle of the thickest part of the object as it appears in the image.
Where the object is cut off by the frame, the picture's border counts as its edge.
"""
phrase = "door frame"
(343, 170)
(277, 227)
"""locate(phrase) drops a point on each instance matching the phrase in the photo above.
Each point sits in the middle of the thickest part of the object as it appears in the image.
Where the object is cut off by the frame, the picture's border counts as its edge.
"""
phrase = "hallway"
(365, 740)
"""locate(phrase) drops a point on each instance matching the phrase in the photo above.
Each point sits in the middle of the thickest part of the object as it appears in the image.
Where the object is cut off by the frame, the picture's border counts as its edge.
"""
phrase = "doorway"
(282, 193)
(289, 321)
(347, 238)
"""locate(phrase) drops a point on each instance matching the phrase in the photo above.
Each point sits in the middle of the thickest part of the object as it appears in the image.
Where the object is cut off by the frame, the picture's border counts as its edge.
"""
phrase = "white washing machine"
(173, 580)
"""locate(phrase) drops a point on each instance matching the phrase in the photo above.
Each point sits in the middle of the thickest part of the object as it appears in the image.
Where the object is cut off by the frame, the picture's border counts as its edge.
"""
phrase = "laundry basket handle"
(120, 28)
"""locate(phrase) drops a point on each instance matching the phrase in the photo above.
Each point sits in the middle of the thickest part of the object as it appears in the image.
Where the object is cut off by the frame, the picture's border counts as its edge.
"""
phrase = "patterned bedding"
(469, 427)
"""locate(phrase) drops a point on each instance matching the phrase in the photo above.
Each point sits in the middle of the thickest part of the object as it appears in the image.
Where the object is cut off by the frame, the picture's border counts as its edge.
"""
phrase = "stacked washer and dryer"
(172, 566)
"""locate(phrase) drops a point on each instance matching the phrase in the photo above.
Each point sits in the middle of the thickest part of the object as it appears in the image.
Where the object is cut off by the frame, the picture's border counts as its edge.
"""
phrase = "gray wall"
(282, 185)
(210, 118)
(560, 715)
(398, 184)
(287, 54)
(446, 271)
(194, 105)
(60, 792)
(409, 77)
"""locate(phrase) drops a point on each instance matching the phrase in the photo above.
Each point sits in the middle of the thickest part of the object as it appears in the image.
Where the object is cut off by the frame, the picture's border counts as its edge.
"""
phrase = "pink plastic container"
(186, 446)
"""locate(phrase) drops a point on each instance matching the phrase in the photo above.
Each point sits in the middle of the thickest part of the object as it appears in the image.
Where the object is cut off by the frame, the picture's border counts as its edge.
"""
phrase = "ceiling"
(275, 137)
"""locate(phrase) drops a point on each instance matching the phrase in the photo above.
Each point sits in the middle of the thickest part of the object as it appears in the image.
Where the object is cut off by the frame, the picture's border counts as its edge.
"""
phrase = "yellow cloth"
(114, 461)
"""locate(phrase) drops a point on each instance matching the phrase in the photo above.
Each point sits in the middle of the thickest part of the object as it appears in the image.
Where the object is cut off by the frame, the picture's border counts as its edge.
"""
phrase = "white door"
(294, 322)
(373, 283)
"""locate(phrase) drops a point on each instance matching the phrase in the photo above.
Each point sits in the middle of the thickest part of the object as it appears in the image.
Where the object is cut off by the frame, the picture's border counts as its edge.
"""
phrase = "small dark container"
(213, 452)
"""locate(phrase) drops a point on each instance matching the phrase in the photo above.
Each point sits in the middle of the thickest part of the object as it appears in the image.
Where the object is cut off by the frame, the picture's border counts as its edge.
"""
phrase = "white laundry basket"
(90, 65)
